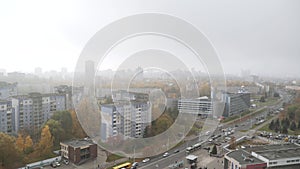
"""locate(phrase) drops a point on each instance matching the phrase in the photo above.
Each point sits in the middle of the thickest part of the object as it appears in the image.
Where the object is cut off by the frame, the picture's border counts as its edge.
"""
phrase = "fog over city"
(260, 36)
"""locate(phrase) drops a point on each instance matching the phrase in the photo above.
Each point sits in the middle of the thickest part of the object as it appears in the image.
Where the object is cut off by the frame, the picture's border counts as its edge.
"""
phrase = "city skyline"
(243, 37)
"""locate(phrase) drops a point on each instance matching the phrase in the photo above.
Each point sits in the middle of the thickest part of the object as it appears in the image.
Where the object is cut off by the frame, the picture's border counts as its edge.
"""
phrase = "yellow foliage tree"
(9, 155)
(77, 130)
(28, 147)
(45, 144)
(20, 143)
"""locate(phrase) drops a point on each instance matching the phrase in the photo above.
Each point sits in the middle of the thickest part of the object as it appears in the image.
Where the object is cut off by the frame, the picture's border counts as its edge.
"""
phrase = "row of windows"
(292, 161)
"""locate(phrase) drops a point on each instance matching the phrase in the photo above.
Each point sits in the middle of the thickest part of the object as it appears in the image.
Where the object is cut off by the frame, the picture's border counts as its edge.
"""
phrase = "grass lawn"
(113, 157)
(266, 128)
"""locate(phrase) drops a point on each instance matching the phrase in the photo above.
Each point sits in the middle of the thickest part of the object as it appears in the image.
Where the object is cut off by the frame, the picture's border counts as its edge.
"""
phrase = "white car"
(146, 160)
(166, 154)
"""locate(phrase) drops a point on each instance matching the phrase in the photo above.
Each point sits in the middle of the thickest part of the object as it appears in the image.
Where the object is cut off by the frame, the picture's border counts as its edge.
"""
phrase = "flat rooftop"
(276, 151)
(78, 143)
(243, 157)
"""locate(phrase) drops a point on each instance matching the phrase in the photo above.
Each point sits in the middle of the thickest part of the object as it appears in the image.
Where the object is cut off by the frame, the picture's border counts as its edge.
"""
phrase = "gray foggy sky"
(262, 36)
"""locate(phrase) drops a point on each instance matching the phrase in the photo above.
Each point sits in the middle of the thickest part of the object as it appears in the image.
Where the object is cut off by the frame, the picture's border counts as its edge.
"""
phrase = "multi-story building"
(201, 105)
(78, 151)
(6, 117)
(7, 90)
(128, 116)
(66, 90)
(264, 156)
(235, 103)
(33, 110)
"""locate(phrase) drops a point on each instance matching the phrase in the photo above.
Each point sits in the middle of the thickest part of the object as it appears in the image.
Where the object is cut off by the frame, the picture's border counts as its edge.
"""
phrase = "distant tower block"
(89, 77)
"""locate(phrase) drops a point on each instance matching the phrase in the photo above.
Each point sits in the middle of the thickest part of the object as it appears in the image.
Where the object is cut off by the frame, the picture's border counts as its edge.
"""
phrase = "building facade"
(6, 117)
(264, 156)
(78, 151)
(7, 90)
(241, 159)
(33, 110)
(127, 117)
(200, 106)
(235, 103)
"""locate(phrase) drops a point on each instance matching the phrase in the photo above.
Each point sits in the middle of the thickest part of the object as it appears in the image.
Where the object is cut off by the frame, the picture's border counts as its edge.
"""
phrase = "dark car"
(176, 151)
(206, 148)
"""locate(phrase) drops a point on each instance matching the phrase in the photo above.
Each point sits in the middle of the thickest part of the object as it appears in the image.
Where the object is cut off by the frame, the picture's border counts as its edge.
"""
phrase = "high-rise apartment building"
(6, 117)
(128, 116)
(7, 90)
(33, 110)
(89, 77)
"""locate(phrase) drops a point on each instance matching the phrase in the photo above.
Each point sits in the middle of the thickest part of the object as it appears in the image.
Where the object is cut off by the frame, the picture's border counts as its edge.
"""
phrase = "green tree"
(262, 99)
(293, 126)
(284, 130)
(271, 125)
(291, 115)
(299, 124)
(65, 119)
(277, 125)
(57, 131)
(285, 123)
(214, 150)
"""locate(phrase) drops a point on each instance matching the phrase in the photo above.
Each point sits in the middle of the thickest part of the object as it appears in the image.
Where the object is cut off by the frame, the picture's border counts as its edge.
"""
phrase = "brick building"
(78, 151)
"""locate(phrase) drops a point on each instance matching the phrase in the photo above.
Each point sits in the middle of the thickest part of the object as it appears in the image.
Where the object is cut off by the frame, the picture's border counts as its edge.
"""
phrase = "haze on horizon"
(260, 36)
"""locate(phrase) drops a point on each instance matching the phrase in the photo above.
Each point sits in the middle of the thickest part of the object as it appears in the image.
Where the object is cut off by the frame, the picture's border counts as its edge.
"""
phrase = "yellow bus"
(121, 166)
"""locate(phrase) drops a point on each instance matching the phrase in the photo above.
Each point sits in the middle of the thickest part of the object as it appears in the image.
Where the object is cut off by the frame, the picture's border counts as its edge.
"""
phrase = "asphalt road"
(163, 162)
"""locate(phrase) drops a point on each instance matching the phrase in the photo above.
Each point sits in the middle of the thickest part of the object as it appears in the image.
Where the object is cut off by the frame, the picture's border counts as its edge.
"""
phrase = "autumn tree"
(205, 89)
(232, 144)
(77, 130)
(9, 155)
(57, 131)
(20, 143)
(45, 144)
(28, 147)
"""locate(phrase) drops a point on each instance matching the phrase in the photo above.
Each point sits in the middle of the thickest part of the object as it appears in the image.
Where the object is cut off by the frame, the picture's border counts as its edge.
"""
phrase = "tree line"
(291, 120)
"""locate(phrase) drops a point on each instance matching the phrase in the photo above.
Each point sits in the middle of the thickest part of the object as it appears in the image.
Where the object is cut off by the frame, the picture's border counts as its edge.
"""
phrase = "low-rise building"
(241, 159)
(78, 151)
(277, 156)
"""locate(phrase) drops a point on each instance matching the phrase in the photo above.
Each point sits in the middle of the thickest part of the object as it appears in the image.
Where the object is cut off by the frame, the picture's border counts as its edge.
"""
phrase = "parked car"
(66, 162)
(55, 164)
